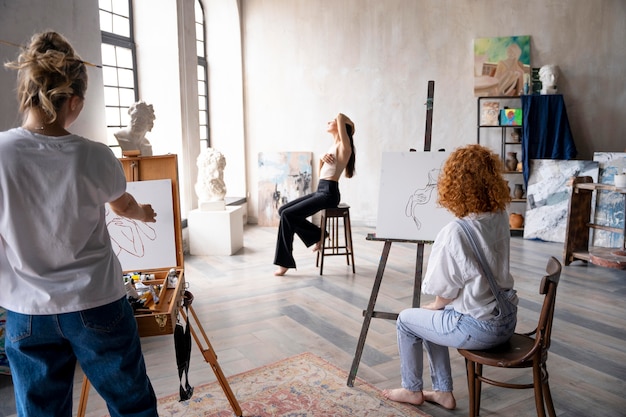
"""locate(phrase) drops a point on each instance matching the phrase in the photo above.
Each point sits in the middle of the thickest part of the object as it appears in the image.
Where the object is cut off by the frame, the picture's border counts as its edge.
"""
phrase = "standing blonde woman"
(61, 281)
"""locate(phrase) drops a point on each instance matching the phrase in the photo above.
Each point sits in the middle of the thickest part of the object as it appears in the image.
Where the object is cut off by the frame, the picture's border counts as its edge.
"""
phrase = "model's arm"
(344, 150)
(127, 206)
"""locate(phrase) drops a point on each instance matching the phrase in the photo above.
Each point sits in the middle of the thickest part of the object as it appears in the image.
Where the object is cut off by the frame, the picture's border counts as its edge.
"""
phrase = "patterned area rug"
(301, 386)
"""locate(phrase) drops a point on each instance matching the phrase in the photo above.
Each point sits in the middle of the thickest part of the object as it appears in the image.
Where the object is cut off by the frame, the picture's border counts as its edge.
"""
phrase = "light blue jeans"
(436, 330)
(43, 351)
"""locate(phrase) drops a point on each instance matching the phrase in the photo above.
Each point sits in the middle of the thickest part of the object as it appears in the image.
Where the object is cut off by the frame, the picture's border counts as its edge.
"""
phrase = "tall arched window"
(118, 64)
(203, 85)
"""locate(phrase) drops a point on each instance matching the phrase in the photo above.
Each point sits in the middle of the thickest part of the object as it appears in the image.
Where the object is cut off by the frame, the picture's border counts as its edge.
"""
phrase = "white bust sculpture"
(210, 186)
(133, 137)
(548, 74)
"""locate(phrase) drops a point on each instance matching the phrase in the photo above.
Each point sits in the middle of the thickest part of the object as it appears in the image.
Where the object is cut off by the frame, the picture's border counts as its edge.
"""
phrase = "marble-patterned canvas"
(283, 177)
(548, 196)
(609, 206)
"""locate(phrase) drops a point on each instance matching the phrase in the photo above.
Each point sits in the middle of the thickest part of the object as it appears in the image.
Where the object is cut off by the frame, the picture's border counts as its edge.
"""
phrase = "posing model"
(293, 215)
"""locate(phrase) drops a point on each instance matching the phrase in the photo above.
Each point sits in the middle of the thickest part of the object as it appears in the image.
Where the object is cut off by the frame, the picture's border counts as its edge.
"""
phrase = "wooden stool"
(330, 223)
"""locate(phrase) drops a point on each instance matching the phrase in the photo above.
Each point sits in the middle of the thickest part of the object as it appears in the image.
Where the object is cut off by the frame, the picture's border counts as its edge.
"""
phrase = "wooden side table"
(579, 225)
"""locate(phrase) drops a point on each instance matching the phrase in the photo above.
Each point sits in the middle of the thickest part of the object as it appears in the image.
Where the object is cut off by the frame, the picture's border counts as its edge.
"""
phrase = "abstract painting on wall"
(609, 206)
(502, 66)
(283, 177)
(548, 196)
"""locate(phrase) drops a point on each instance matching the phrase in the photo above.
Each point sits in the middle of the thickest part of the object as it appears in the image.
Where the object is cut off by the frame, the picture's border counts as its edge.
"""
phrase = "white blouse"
(453, 271)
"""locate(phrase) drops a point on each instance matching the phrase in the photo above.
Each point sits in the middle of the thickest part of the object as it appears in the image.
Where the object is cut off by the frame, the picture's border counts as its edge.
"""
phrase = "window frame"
(116, 40)
(203, 63)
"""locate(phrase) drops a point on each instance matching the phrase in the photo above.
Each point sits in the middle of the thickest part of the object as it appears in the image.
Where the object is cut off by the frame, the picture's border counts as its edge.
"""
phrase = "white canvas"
(407, 205)
(141, 246)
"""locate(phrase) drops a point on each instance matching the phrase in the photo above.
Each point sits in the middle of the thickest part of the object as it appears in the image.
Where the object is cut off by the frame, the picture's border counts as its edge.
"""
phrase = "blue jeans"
(43, 351)
(437, 330)
(293, 220)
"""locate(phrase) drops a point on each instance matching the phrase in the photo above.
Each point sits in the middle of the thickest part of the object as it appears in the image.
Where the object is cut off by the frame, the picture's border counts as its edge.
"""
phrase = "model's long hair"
(48, 73)
(471, 181)
(350, 168)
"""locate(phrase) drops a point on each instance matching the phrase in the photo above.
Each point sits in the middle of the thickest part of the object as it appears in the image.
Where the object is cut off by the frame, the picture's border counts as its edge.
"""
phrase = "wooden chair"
(521, 351)
(330, 223)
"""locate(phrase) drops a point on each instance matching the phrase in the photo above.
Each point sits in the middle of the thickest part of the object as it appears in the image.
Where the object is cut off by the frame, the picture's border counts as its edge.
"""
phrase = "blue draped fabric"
(546, 133)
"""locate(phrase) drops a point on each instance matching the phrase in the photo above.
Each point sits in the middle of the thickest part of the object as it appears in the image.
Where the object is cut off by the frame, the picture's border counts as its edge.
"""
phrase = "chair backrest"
(548, 287)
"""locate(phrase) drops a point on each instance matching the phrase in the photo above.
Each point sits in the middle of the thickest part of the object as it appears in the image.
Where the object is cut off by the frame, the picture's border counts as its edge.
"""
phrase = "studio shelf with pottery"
(500, 128)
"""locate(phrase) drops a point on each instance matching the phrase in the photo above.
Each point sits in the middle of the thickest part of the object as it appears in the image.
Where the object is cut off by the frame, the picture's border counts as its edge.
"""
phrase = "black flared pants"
(293, 220)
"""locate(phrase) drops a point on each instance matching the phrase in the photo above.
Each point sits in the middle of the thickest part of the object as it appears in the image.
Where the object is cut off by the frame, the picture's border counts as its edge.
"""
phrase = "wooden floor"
(253, 318)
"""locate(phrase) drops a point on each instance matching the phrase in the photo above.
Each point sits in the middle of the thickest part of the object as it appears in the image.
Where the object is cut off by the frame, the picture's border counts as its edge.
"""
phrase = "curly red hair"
(471, 181)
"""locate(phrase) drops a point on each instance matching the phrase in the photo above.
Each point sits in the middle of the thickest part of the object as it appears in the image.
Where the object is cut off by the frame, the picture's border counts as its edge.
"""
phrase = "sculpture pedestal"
(216, 232)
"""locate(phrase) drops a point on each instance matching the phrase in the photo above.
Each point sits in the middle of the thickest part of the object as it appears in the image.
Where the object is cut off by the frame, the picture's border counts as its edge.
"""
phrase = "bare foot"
(403, 395)
(280, 271)
(443, 398)
(317, 246)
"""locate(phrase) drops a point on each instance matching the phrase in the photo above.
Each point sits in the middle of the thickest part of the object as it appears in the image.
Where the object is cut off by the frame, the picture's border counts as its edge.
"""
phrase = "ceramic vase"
(511, 161)
(516, 220)
(518, 192)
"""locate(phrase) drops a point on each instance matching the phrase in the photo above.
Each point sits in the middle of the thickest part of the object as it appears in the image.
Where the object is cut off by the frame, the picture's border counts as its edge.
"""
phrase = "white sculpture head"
(548, 74)
(141, 116)
(133, 137)
(210, 185)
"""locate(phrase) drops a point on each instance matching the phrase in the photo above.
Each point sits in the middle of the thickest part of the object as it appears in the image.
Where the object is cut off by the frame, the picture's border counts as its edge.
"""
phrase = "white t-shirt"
(453, 270)
(55, 249)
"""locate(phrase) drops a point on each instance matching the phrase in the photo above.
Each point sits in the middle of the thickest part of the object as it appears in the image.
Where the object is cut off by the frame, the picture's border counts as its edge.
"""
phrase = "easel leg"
(84, 396)
(211, 358)
(417, 283)
(369, 313)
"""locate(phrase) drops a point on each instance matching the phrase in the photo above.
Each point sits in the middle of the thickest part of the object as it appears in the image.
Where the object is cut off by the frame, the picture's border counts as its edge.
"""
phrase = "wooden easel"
(370, 313)
(161, 320)
(207, 352)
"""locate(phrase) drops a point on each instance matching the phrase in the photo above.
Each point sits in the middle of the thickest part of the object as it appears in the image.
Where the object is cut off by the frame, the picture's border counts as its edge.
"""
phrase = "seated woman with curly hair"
(465, 313)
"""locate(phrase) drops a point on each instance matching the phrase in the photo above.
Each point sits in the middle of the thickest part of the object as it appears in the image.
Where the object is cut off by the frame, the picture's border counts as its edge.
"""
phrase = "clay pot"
(516, 220)
(518, 192)
(511, 161)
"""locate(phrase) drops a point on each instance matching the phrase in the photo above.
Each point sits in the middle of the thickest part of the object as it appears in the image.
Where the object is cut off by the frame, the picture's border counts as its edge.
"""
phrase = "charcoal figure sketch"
(407, 200)
(422, 196)
(127, 235)
(140, 246)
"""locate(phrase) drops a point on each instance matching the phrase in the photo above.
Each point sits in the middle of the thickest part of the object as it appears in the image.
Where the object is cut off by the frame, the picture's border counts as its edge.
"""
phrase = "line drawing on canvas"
(127, 235)
(421, 197)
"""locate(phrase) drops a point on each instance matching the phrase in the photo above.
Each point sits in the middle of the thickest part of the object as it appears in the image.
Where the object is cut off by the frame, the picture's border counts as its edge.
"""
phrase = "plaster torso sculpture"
(210, 185)
(133, 137)
(548, 74)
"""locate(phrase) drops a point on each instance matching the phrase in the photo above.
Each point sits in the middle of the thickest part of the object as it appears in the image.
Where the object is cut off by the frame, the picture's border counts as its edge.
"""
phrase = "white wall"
(19, 20)
(280, 69)
(306, 60)
(166, 61)
(226, 110)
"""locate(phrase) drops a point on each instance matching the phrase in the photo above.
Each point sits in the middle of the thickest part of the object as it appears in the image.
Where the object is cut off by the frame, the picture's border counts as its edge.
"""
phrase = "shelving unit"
(579, 225)
(505, 145)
